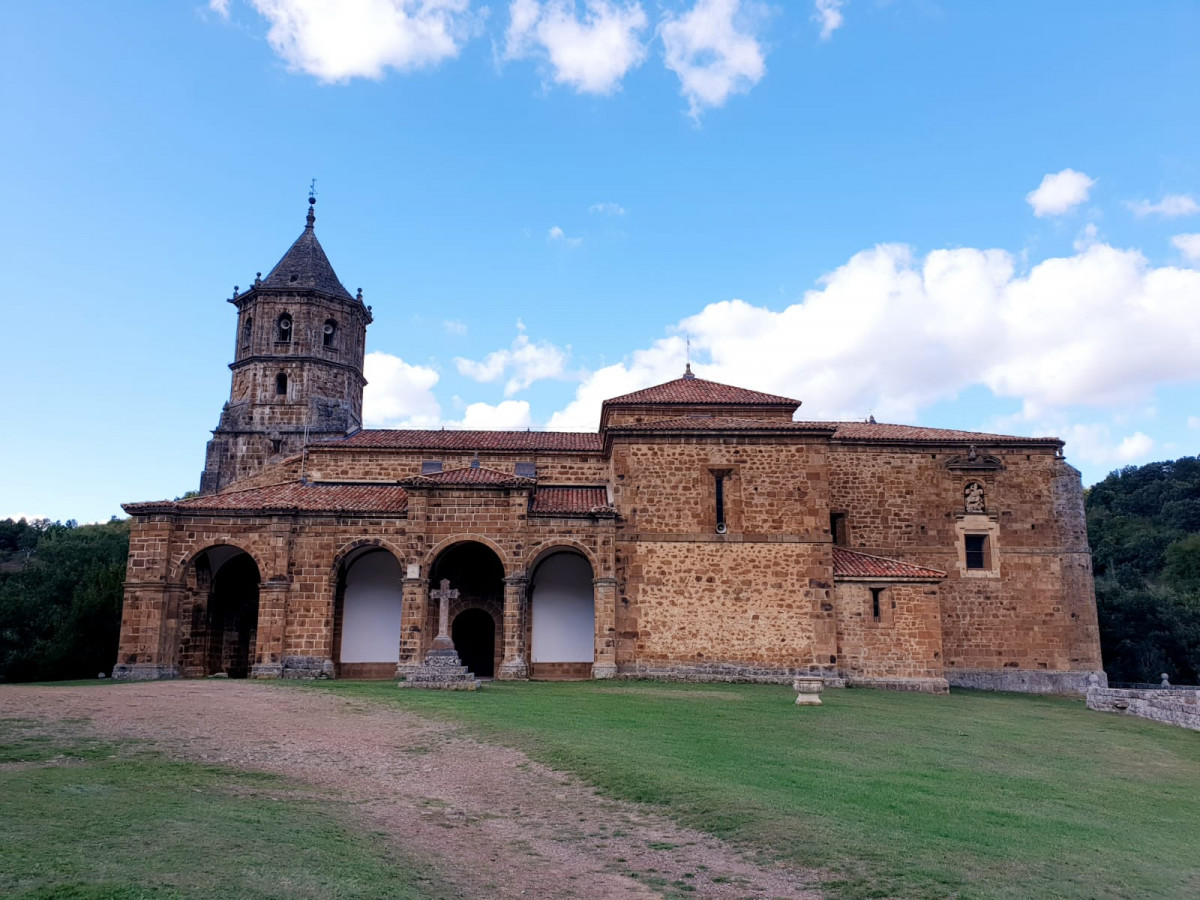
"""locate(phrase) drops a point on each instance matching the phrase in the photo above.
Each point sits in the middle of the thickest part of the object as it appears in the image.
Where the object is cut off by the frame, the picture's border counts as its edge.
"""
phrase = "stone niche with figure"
(702, 531)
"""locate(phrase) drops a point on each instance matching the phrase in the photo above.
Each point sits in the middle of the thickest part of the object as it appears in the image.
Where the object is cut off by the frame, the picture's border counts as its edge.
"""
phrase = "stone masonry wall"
(1027, 622)
(390, 465)
(903, 649)
(1173, 707)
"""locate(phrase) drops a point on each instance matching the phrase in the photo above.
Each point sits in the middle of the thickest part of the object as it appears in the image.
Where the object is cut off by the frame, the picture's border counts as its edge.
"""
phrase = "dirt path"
(491, 821)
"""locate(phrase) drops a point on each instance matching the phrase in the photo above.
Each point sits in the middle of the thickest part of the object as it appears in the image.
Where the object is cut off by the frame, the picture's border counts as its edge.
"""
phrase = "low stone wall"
(723, 672)
(1028, 681)
(1174, 706)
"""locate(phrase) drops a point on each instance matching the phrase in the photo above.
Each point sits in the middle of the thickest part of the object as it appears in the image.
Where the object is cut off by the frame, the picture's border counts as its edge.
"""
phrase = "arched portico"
(367, 613)
(219, 630)
(474, 572)
(562, 616)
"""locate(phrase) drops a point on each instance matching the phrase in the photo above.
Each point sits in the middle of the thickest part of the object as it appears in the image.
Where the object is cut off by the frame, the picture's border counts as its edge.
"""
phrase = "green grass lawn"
(898, 795)
(84, 820)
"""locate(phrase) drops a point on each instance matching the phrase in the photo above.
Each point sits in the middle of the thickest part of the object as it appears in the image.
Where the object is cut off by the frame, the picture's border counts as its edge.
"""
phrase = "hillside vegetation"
(60, 598)
(1144, 528)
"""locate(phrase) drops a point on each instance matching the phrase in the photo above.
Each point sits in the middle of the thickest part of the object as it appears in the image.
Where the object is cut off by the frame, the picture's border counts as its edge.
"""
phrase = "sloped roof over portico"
(296, 496)
(852, 565)
(469, 477)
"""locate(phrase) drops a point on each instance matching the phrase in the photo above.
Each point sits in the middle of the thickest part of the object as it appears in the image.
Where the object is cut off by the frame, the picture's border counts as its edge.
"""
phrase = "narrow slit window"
(281, 384)
(976, 547)
(837, 528)
(719, 475)
(247, 330)
(876, 603)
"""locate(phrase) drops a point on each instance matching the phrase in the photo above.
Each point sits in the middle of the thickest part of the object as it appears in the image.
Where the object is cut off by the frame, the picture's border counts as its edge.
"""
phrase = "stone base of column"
(513, 670)
(304, 667)
(442, 670)
(144, 672)
(604, 670)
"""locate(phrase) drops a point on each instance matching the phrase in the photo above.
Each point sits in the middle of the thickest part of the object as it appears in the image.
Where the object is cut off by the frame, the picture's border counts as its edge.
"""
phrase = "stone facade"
(721, 540)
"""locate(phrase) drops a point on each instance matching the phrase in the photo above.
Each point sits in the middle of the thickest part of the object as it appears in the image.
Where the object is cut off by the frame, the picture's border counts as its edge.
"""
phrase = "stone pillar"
(412, 622)
(513, 667)
(605, 600)
(272, 619)
(149, 645)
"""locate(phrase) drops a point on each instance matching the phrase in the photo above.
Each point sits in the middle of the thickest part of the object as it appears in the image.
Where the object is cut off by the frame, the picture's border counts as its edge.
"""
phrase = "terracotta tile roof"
(469, 476)
(306, 267)
(350, 498)
(571, 501)
(517, 441)
(852, 564)
(698, 391)
(871, 431)
(722, 423)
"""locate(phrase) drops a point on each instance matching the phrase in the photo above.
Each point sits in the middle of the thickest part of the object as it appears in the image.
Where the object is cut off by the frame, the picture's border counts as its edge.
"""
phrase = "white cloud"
(455, 327)
(508, 414)
(336, 40)
(1059, 193)
(525, 363)
(607, 209)
(713, 50)
(891, 332)
(1193, 422)
(829, 14)
(1134, 447)
(220, 7)
(1188, 245)
(1089, 234)
(398, 393)
(557, 235)
(1172, 206)
(590, 54)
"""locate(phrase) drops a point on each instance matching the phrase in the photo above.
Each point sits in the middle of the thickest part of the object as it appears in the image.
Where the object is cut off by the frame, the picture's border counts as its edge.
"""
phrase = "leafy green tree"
(60, 606)
(1144, 529)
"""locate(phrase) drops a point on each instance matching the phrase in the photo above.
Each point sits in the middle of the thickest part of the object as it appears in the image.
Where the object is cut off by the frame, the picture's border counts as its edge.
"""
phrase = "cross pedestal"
(442, 669)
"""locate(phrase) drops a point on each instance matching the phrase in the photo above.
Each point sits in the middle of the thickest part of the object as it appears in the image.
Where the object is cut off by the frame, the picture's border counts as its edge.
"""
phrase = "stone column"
(272, 619)
(412, 622)
(149, 645)
(605, 600)
(513, 667)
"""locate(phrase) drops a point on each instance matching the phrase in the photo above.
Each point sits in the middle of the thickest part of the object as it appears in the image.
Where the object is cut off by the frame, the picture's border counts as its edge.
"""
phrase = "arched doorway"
(475, 571)
(474, 633)
(224, 620)
(563, 613)
(367, 614)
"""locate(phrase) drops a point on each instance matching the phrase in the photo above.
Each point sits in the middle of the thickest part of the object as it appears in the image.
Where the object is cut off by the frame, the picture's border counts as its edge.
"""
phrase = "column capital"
(606, 579)
(518, 579)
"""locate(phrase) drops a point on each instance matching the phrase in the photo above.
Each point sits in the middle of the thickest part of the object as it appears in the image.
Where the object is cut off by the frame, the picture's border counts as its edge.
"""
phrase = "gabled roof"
(469, 476)
(852, 564)
(305, 266)
(700, 392)
(571, 501)
(441, 439)
(288, 497)
(722, 423)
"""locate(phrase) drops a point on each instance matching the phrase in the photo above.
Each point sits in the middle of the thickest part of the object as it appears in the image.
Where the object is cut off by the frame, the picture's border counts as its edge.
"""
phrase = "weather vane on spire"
(687, 370)
(312, 191)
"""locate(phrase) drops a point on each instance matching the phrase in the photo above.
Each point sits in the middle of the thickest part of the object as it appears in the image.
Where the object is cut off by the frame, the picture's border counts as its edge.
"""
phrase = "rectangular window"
(837, 528)
(525, 470)
(431, 466)
(876, 602)
(976, 546)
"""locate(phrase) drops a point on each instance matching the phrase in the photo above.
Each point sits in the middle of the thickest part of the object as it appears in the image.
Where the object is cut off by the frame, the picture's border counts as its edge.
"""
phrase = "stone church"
(703, 532)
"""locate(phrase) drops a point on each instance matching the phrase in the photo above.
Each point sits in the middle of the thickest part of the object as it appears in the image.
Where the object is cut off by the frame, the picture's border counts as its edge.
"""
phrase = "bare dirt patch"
(493, 822)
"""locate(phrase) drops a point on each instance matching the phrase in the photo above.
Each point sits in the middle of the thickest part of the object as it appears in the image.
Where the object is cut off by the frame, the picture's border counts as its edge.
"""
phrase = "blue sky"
(973, 215)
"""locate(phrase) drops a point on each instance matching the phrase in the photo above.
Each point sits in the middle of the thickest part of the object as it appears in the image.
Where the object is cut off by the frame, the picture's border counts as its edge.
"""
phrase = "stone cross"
(444, 595)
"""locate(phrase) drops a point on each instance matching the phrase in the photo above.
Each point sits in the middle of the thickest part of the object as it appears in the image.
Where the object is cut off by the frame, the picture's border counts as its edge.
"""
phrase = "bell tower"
(298, 364)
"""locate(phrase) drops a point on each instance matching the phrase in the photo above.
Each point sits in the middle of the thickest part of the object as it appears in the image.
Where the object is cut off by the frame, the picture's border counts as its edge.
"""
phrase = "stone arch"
(220, 613)
(442, 546)
(476, 570)
(351, 546)
(367, 609)
(179, 575)
(549, 547)
(562, 614)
